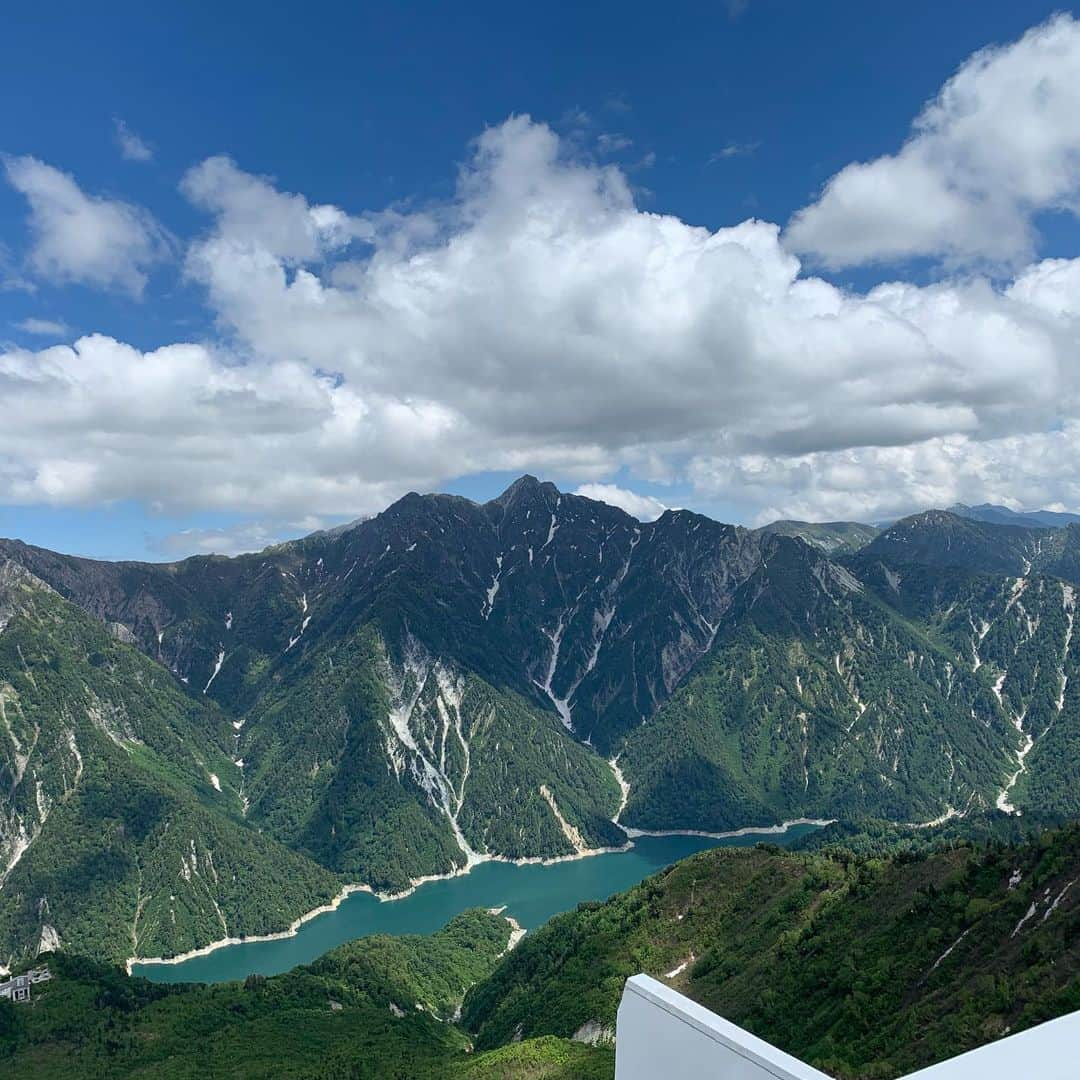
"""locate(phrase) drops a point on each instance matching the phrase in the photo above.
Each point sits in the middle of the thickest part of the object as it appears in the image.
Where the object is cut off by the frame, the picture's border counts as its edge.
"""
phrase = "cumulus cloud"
(132, 147)
(1052, 286)
(643, 507)
(543, 308)
(253, 216)
(85, 238)
(185, 427)
(539, 320)
(998, 145)
(1031, 470)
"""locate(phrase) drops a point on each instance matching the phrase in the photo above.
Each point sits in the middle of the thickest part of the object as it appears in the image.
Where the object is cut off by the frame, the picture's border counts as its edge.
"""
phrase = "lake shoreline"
(382, 897)
(388, 897)
(748, 830)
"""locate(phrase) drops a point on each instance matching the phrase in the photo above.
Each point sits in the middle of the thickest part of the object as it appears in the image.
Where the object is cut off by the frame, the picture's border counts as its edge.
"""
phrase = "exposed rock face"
(594, 1033)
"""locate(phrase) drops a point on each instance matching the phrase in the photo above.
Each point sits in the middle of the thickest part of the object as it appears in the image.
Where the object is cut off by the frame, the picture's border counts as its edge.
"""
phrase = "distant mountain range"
(206, 749)
(1002, 515)
(839, 537)
(833, 537)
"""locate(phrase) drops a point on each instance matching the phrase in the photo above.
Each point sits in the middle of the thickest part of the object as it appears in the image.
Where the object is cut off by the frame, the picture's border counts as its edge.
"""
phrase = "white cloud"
(132, 147)
(185, 427)
(552, 325)
(1031, 470)
(539, 320)
(255, 217)
(544, 309)
(734, 150)
(85, 238)
(1052, 286)
(998, 145)
(237, 539)
(613, 142)
(643, 507)
(42, 327)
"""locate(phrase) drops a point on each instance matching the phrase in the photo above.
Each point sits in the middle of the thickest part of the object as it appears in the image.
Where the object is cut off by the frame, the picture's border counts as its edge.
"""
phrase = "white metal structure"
(1050, 1051)
(663, 1035)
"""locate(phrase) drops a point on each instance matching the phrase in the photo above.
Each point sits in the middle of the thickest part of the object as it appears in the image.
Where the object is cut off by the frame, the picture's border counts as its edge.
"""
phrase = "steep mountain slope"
(938, 540)
(1016, 631)
(833, 537)
(442, 683)
(411, 694)
(362, 749)
(369, 1009)
(188, 615)
(864, 967)
(942, 540)
(816, 700)
(552, 595)
(120, 830)
(932, 672)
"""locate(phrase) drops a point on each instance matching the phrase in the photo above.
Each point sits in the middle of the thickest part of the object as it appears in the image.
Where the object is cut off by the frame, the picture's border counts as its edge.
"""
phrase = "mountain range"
(207, 749)
(1002, 515)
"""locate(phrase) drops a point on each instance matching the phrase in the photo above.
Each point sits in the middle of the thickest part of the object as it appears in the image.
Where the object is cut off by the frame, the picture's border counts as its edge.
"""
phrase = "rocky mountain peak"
(526, 492)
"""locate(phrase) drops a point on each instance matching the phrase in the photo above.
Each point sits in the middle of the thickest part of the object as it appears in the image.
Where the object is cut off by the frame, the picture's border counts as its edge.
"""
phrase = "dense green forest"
(378, 1007)
(867, 966)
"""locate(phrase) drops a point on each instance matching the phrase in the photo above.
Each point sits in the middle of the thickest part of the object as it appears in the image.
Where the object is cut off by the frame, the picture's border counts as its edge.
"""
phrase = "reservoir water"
(531, 894)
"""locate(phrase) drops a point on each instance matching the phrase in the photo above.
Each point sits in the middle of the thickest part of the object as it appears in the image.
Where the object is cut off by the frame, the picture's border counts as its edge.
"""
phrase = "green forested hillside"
(122, 829)
(817, 700)
(868, 967)
(339, 752)
(931, 673)
(368, 1009)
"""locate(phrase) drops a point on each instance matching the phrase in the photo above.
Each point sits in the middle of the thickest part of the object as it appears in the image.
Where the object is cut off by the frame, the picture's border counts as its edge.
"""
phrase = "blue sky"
(709, 113)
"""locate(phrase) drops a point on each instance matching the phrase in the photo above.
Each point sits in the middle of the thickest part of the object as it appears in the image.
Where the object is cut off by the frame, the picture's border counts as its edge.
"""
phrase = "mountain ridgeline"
(209, 748)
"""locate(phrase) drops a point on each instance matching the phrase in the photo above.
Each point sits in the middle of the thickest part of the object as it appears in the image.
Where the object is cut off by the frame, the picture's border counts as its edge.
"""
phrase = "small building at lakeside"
(17, 988)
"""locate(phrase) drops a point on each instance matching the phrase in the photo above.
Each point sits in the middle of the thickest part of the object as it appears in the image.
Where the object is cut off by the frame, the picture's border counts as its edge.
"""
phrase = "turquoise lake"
(531, 894)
